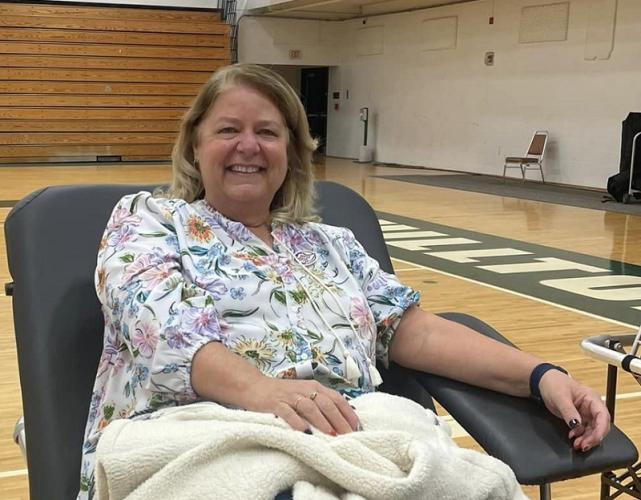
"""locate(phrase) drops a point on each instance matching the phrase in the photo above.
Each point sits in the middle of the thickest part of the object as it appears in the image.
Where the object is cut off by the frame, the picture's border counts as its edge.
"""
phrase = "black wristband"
(537, 374)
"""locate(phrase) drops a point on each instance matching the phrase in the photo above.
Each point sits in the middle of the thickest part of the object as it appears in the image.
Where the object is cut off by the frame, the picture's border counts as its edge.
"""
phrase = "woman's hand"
(579, 406)
(217, 374)
(302, 403)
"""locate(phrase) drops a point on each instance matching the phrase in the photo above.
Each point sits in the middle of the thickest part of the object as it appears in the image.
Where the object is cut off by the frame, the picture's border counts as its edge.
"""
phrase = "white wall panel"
(265, 40)
(369, 41)
(545, 23)
(440, 33)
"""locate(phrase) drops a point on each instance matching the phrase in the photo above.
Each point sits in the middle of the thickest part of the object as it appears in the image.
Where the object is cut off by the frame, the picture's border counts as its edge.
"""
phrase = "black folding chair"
(52, 239)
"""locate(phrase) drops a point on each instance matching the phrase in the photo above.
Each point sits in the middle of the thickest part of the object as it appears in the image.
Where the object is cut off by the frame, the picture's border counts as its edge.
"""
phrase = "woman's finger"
(309, 410)
(560, 398)
(597, 419)
(566, 410)
(334, 408)
(598, 428)
(333, 414)
(345, 408)
(577, 431)
(293, 419)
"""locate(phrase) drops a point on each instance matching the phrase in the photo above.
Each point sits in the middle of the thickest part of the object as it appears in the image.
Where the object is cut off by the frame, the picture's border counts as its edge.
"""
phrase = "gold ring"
(313, 395)
(297, 401)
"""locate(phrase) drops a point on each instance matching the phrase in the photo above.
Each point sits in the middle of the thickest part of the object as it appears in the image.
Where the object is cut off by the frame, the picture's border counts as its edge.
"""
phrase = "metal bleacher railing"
(228, 12)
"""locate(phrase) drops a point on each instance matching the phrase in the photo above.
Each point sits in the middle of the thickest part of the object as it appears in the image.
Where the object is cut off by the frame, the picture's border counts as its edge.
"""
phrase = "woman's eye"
(227, 130)
(267, 131)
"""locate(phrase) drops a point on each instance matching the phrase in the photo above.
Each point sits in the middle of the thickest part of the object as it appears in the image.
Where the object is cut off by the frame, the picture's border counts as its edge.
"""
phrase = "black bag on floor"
(618, 185)
(629, 128)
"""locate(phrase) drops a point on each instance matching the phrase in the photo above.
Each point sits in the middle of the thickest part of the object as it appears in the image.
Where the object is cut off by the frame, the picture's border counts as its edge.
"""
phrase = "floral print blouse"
(173, 276)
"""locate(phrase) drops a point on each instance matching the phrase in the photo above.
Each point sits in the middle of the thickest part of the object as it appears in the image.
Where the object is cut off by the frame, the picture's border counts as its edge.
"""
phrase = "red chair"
(533, 159)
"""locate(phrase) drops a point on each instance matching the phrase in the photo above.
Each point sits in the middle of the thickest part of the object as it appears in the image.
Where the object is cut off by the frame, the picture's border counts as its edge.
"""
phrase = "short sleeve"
(386, 296)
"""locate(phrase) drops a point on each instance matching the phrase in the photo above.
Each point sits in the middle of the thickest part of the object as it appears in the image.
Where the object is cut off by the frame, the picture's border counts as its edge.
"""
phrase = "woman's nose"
(248, 143)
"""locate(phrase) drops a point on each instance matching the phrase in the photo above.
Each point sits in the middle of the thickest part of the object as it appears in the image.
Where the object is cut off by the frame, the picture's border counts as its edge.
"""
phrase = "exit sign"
(295, 54)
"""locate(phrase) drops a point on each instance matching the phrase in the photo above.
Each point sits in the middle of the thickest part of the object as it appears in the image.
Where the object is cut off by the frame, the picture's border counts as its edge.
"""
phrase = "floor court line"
(627, 395)
(543, 301)
(13, 473)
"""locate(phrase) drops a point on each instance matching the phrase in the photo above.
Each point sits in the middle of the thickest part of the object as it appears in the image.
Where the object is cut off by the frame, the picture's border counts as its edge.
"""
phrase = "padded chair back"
(537, 146)
(340, 206)
(52, 242)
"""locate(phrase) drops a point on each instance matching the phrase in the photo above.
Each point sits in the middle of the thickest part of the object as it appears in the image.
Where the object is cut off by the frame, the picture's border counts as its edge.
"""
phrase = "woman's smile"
(245, 169)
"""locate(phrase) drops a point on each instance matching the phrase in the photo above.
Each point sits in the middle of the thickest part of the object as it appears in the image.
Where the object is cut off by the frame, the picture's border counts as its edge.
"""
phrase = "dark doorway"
(313, 92)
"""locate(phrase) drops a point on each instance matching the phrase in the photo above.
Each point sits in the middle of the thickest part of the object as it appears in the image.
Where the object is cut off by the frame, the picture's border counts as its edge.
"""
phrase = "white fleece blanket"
(207, 451)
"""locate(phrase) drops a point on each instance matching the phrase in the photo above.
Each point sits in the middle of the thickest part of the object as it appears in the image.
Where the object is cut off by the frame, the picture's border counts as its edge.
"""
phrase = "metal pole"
(365, 136)
(610, 402)
(611, 383)
(605, 488)
(611, 390)
(545, 491)
(634, 147)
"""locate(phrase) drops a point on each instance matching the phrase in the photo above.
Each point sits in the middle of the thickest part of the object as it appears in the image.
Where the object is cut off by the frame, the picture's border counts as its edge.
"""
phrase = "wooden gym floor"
(535, 324)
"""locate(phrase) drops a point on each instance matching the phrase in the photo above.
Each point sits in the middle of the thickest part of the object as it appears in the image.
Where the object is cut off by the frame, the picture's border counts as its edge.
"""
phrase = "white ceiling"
(338, 10)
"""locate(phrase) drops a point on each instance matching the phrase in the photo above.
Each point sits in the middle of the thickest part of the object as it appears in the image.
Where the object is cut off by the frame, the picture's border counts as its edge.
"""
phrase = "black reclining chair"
(52, 239)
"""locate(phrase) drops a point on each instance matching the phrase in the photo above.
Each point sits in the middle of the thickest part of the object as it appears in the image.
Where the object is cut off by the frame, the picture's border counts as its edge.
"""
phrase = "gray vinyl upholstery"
(52, 240)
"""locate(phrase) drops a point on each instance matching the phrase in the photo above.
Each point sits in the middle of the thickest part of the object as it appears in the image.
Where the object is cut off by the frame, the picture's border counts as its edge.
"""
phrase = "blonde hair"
(294, 201)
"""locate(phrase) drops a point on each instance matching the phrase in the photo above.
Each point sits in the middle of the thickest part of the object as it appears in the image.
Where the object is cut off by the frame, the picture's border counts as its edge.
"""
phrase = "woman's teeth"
(244, 169)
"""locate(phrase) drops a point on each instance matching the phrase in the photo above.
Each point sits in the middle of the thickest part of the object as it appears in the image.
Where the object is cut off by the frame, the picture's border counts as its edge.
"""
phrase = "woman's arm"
(427, 342)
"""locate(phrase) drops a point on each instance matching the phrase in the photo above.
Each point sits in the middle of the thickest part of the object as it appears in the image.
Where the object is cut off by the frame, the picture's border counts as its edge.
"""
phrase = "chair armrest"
(524, 435)
(519, 431)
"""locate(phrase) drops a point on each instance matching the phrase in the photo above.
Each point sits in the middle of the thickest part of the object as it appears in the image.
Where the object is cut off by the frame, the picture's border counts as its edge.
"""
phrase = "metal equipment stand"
(632, 193)
(611, 350)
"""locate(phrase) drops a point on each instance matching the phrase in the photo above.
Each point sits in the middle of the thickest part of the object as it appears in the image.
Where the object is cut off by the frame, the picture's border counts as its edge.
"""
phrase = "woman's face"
(242, 151)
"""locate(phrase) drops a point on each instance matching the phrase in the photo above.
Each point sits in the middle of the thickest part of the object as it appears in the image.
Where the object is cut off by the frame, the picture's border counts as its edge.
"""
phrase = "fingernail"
(573, 423)
(359, 427)
(585, 448)
(308, 431)
(352, 407)
(332, 433)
